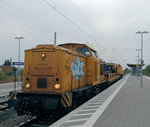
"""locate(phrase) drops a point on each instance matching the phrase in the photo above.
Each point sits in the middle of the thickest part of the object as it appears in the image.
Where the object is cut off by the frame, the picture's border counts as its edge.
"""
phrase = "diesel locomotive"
(58, 78)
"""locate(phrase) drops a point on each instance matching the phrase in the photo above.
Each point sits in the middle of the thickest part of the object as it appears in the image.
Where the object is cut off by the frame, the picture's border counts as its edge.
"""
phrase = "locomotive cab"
(92, 61)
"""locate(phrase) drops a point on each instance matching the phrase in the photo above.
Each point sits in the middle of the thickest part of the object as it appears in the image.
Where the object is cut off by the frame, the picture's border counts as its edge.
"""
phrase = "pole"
(138, 50)
(21, 81)
(55, 38)
(19, 59)
(19, 65)
(14, 83)
(138, 64)
(138, 56)
(141, 59)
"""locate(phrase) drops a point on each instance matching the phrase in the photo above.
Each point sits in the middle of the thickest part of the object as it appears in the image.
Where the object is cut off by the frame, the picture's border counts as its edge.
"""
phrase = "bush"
(1, 75)
(126, 70)
(8, 72)
(147, 70)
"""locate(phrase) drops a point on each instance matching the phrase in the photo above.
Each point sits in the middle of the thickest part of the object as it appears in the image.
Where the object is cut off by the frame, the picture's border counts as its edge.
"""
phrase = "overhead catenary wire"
(98, 33)
(29, 15)
(23, 12)
(77, 26)
(81, 14)
(17, 28)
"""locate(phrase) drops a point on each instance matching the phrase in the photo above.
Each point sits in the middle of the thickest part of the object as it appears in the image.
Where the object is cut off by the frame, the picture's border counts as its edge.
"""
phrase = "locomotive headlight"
(43, 55)
(27, 85)
(57, 86)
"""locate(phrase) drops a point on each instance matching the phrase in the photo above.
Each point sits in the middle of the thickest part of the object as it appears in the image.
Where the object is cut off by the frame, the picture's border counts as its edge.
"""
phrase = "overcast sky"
(107, 25)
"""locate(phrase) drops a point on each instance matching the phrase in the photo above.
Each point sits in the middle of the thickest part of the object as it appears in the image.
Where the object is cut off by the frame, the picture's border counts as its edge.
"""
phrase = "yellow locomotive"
(61, 77)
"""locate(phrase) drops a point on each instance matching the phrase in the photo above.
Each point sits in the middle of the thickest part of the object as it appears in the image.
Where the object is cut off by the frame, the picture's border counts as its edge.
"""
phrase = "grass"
(146, 73)
(7, 79)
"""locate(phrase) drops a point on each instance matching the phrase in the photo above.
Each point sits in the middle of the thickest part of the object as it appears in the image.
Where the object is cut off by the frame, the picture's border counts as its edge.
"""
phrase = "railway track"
(44, 122)
(37, 122)
(3, 106)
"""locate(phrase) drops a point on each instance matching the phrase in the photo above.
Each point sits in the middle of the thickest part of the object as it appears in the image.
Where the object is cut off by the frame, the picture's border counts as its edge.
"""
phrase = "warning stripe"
(69, 99)
(66, 100)
(62, 101)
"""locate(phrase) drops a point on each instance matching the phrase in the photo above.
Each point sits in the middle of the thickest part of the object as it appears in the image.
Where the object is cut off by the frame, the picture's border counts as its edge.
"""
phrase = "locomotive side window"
(109, 67)
(83, 50)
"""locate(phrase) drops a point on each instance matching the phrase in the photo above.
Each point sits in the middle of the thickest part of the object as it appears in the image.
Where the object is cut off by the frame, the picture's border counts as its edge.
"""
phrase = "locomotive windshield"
(94, 54)
(83, 50)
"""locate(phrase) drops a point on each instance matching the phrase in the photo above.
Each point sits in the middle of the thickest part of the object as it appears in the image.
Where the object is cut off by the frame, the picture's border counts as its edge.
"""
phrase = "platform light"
(19, 38)
(141, 33)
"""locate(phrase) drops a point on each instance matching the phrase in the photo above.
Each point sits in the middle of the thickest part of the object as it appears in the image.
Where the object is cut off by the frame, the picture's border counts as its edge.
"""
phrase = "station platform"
(124, 104)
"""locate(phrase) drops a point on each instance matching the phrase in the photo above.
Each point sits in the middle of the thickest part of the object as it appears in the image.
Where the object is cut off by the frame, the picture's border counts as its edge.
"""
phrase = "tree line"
(7, 72)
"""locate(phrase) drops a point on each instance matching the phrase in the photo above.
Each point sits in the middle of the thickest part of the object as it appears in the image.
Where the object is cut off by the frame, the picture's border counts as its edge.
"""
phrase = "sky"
(109, 26)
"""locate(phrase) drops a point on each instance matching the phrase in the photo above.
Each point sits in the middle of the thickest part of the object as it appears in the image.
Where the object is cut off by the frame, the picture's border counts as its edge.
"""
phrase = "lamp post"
(138, 59)
(139, 32)
(138, 56)
(19, 38)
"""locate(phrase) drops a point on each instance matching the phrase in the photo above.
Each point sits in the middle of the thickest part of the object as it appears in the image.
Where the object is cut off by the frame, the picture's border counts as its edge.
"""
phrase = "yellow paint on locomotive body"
(63, 68)
(114, 72)
(92, 61)
(102, 72)
(120, 70)
(111, 77)
(55, 68)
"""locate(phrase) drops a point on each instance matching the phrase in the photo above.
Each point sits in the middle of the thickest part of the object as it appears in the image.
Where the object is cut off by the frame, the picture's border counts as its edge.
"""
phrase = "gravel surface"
(9, 118)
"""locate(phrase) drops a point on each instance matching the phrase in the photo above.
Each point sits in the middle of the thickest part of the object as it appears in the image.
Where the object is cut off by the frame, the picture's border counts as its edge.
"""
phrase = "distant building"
(4, 67)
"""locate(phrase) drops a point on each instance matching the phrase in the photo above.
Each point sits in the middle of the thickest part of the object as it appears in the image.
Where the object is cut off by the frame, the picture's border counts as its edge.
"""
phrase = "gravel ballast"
(9, 118)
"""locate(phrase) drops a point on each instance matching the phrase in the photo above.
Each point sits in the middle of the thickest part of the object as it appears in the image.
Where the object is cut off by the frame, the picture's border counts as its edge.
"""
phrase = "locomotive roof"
(51, 46)
(113, 64)
(84, 45)
(47, 46)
